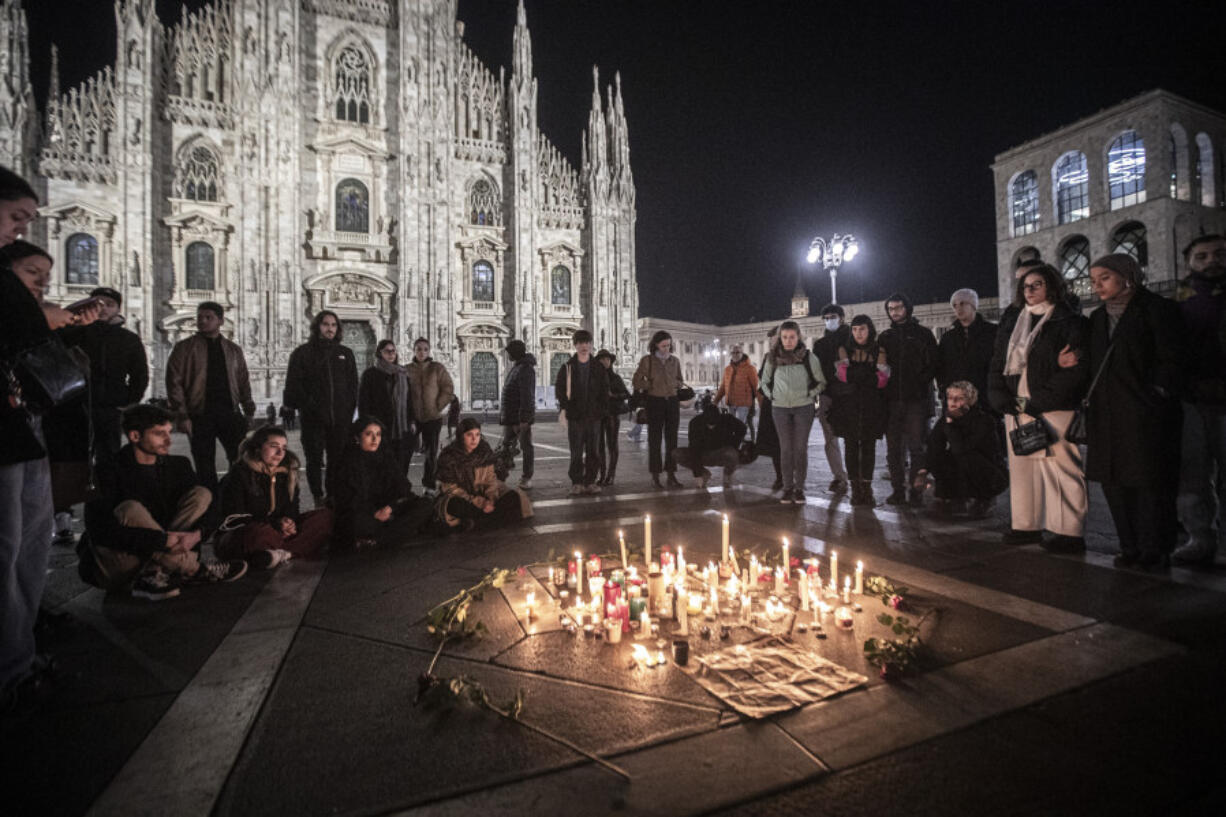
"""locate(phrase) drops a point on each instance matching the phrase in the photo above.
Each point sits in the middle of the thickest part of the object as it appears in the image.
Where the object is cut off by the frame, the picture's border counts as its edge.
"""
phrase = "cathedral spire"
(597, 160)
(521, 64)
(53, 129)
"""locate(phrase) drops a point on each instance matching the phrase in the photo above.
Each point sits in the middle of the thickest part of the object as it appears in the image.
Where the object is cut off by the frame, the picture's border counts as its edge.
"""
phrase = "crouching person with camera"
(145, 526)
(715, 440)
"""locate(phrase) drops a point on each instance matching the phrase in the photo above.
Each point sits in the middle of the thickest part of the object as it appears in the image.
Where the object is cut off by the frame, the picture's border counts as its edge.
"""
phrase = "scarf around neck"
(1023, 338)
(400, 395)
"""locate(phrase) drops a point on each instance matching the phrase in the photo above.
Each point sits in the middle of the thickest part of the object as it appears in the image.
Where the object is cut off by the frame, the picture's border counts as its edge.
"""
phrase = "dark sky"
(756, 125)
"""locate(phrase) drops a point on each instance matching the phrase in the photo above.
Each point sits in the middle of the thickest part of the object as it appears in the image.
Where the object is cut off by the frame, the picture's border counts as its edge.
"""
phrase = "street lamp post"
(832, 255)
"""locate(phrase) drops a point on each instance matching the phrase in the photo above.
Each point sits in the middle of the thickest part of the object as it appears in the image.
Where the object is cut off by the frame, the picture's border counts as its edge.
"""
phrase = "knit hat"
(107, 292)
(1122, 264)
(966, 294)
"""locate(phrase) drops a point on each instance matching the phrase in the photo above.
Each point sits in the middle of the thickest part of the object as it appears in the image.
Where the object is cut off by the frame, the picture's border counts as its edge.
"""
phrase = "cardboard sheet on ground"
(769, 676)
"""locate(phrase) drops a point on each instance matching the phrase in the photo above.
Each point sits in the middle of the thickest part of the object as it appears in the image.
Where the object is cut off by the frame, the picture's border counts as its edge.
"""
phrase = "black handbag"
(1077, 432)
(1029, 438)
(48, 375)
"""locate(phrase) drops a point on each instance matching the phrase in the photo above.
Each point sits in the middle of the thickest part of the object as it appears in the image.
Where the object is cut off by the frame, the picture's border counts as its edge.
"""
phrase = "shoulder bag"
(48, 374)
(1030, 438)
(1077, 432)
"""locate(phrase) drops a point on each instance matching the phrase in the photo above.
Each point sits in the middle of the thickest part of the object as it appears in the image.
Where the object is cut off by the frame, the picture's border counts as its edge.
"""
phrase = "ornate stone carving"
(351, 289)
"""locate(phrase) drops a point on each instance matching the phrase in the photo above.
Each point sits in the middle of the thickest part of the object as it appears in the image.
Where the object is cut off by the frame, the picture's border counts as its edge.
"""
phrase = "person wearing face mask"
(1202, 487)
(1047, 488)
(739, 386)
(470, 493)
(659, 376)
(827, 350)
(374, 504)
(912, 352)
(963, 455)
(860, 413)
(383, 393)
(1138, 347)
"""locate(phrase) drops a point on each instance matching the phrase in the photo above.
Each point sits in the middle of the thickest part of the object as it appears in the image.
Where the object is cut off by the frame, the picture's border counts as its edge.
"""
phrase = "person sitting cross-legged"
(375, 505)
(714, 440)
(146, 523)
(470, 493)
(259, 501)
(964, 455)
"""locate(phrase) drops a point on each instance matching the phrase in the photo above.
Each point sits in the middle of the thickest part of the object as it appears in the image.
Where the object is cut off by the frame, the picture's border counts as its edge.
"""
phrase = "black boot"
(655, 481)
(672, 480)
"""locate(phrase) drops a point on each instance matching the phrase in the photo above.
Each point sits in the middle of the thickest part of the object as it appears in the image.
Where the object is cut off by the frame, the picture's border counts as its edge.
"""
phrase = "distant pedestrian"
(453, 416)
(1047, 488)
(610, 424)
(860, 413)
(739, 387)
(433, 391)
(912, 352)
(963, 456)
(209, 391)
(383, 393)
(793, 380)
(322, 383)
(270, 414)
(827, 350)
(289, 418)
(518, 406)
(582, 392)
(659, 377)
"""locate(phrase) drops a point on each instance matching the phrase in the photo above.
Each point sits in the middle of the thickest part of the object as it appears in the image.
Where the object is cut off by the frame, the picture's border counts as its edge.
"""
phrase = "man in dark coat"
(519, 406)
(582, 392)
(827, 350)
(619, 397)
(1202, 487)
(963, 455)
(965, 349)
(714, 440)
(911, 352)
(322, 384)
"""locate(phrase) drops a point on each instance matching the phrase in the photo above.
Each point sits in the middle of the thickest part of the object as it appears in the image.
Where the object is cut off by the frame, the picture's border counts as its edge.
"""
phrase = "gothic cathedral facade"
(286, 156)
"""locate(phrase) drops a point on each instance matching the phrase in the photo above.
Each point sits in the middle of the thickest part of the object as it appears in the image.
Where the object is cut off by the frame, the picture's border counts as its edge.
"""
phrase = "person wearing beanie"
(965, 349)
(827, 350)
(1202, 492)
(518, 408)
(912, 351)
(470, 493)
(1138, 350)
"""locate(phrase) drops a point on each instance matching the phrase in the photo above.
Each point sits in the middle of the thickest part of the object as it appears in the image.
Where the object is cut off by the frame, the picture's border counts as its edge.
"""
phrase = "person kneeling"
(470, 493)
(145, 525)
(375, 505)
(259, 500)
(964, 455)
(714, 440)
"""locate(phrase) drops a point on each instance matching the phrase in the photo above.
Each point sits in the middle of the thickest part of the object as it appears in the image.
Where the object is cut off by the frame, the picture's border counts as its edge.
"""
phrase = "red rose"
(897, 602)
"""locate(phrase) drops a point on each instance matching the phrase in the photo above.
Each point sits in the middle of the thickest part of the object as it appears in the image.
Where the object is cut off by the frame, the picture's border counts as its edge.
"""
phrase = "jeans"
(793, 426)
(697, 462)
(740, 412)
(834, 457)
(523, 432)
(610, 426)
(906, 434)
(636, 433)
(430, 432)
(319, 440)
(583, 435)
(663, 419)
(861, 457)
(1202, 479)
(25, 542)
(207, 429)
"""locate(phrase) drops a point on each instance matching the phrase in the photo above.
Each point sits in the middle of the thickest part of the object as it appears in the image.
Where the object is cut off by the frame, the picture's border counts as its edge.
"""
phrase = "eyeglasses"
(1037, 285)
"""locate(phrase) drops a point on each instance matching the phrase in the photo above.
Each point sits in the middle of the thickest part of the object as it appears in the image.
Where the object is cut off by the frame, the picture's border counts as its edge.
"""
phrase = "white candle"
(787, 566)
(621, 543)
(754, 570)
(551, 577)
(680, 562)
(714, 601)
(804, 589)
(724, 549)
(779, 581)
(847, 589)
(859, 578)
(814, 603)
(746, 605)
(712, 574)
(647, 541)
(834, 571)
(530, 603)
(683, 615)
(644, 625)
(580, 585)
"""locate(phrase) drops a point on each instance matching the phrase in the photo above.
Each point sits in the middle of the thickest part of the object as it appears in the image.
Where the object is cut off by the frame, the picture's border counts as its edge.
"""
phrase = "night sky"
(756, 125)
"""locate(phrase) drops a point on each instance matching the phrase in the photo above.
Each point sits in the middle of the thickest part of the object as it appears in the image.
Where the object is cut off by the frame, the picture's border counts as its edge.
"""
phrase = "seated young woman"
(470, 493)
(259, 501)
(374, 503)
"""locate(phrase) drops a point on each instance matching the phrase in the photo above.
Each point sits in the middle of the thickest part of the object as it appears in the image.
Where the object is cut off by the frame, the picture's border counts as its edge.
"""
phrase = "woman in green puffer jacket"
(792, 379)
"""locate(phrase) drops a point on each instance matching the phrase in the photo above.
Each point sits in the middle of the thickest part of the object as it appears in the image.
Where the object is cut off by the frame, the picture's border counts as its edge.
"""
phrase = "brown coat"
(487, 485)
(187, 370)
(658, 378)
(431, 389)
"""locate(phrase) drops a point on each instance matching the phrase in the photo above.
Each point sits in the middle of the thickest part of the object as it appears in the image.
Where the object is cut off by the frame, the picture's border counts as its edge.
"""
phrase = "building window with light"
(1072, 179)
(559, 286)
(352, 207)
(483, 281)
(1075, 265)
(1126, 170)
(82, 251)
(1205, 178)
(1024, 203)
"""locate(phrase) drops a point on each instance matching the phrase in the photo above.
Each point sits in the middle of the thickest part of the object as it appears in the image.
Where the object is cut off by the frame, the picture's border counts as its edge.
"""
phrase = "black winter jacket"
(713, 430)
(247, 489)
(366, 482)
(965, 353)
(911, 350)
(591, 403)
(972, 433)
(158, 487)
(22, 325)
(827, 350)
(118, 367)
(1051, 388)
(322, 382)
(519, 393)
(1135, 416)
(619, 395)
(860, 411)
(376, 398)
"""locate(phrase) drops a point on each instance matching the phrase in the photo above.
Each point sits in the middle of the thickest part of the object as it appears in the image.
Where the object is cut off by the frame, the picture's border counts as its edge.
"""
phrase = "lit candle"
(816, 607)
(647, 541)
(580, 585)
(724, 551)
(695, 603)
(640, 652)
(746, 604)
(787, 566)
(660, 660)
(712, 574)
(551, 575)
(621, 543)
(714, 601)
(530, 603)
(834, 571)
(779, 581)
(859, 578)
(614, 626)
(644, 625)
(847, 589)
(754, 571)
(683, 613)
(655, 592)
(804, 590)
(680, 562)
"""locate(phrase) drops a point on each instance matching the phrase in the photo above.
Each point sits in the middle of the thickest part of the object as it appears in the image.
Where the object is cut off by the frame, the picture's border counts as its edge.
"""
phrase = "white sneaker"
(526, 483)
(591, 489)
(576, 490)
(278, 556)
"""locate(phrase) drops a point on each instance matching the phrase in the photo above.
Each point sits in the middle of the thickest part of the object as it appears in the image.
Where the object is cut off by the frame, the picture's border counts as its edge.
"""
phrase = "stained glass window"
(352, 207)
(1126, 170)
(483, 281)
(559, 286)
(200, 266)
(1072, 188)
(82, 259)
(1024, 198)
(484, 204)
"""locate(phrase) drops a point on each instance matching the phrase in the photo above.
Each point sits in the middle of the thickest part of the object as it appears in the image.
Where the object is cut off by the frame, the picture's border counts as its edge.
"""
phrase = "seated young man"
(144, 526)
(714, 440)
(964, 455)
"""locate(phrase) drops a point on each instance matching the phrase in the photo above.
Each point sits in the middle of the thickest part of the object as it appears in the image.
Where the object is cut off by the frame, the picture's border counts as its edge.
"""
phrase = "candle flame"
(859, 565)
(725, 518)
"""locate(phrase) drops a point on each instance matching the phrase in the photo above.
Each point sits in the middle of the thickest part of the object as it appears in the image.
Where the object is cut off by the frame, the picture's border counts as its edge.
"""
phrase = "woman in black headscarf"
(470, 493)
(374, 503)
(384, 394)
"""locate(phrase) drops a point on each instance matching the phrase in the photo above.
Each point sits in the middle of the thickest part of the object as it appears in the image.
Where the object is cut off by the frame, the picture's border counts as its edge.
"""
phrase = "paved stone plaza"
(1049, 685)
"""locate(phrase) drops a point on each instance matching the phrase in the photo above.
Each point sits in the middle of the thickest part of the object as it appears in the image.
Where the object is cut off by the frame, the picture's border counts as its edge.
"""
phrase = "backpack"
(804, 361)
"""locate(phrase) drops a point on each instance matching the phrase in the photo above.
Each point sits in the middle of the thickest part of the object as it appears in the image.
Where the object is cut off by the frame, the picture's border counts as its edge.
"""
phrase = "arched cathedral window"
(559, 286)
(82, 259)
(483, 204)
(352, 86)
(1072, 188)
(200, 270)
(483, 281)
(1024, 202)
(198, 174)
(352, 207)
